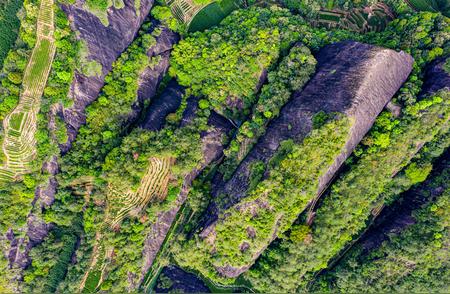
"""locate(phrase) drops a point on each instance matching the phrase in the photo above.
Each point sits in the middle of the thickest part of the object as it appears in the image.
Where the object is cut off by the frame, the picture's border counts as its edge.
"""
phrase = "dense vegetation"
(262, 211)
(9, 25)
(111, 198)
(291, 75)
(228, 65)
(102, 132)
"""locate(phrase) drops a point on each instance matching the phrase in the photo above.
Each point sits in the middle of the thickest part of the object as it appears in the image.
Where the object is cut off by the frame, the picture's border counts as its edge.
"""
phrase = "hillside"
(224, 146)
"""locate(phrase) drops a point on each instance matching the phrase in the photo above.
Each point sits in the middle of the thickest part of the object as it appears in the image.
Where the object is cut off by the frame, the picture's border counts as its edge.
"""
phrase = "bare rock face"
(105, 44)
(37, 229)
(166, 103)
(436, 77)
(352, 78)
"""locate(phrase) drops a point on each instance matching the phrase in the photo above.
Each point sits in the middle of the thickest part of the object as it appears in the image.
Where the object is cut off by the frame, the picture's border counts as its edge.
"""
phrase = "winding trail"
(20, 126)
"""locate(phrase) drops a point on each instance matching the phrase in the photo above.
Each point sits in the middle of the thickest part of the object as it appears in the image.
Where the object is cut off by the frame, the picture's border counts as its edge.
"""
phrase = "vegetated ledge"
(353, 79)
(212, 150)
(396, 218)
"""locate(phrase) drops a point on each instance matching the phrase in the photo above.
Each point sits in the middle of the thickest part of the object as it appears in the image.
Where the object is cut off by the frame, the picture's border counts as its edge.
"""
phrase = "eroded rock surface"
(352, 78)
(166, 103)
(436, 77)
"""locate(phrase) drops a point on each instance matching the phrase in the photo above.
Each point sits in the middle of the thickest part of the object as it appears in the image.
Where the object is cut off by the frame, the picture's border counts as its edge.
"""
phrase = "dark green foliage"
(413, 261)
(51, 264)
(9, 25)
(319, 119)
(431, 5)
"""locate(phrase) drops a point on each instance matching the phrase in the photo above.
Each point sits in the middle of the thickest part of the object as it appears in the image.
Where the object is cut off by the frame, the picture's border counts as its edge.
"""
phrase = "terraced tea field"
(371, 18)
(123, 202)
(20, 125)
(201, 16)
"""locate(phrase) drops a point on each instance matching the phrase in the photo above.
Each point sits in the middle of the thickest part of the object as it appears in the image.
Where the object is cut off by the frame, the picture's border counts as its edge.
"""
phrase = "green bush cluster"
(226, 64)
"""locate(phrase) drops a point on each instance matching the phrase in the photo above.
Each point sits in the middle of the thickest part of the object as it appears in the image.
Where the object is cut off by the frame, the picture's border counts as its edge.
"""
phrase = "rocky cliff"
(105, 44)
(354, 79)
(161, 106)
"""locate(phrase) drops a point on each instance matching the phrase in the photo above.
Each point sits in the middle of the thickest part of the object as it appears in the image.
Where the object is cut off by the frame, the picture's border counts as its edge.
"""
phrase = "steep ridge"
(212, 150)
(420, 135)
(412, 257)
(341, 67)
(353, 79)
(105, 44)
(396, 218)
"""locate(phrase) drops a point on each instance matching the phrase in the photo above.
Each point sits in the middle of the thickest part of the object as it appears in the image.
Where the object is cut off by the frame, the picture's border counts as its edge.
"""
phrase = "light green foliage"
(88, 67)
(226, 64)
(417, 174)
(100, 8)
(272, 206)
(164, 15)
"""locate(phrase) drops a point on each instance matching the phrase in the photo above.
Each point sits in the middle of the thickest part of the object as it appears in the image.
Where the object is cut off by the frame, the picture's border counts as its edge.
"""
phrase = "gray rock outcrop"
(166, 103)
(436, 77)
